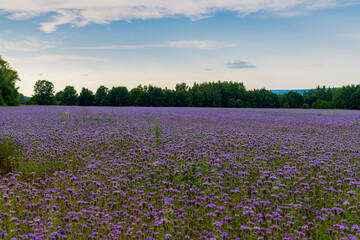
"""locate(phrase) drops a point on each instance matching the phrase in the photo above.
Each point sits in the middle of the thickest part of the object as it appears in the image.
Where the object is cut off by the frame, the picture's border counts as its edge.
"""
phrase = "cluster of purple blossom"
(103, 173)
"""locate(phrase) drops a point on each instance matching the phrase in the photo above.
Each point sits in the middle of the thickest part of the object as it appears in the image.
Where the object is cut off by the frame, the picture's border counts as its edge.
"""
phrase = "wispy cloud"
(196, 44)
(193, 44)
(28, 44)
(52, 58)
(351, 36)
(239, 64)
(316, 65)
(82, 12)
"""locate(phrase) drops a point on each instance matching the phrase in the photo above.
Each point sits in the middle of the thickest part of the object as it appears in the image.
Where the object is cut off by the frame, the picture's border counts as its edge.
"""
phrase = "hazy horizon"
(261, 43)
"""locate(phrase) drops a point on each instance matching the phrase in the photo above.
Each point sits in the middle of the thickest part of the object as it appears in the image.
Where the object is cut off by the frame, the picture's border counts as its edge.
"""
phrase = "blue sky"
(276, 44)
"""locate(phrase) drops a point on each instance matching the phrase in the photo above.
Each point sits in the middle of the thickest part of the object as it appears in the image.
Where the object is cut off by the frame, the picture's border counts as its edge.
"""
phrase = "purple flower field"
(180, 173)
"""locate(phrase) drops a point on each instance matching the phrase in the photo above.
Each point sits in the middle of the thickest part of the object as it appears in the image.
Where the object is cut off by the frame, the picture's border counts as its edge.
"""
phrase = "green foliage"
(169, 97)
(44, 93)
(320, 93)
(8, 155)
(135, 95)
(197, 95)
(181, 92)
(8, 90)
(119, 96)
(86, 97)
(305, 106)
(295, 99)
(2, 101)
(355, 99)
(22, 98)
(232, 94)
(252, 99)
(261, 99)
(101, 96)
(58, 97)
(157, 128)
(209, 94)
(320, 104)
(143, 98)
(156, 96)
(291, 100)
(69, 96)
(347, 97)
(284, 102)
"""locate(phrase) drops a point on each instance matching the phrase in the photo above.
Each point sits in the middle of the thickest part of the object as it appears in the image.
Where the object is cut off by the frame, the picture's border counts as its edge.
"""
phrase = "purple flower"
(218, 223)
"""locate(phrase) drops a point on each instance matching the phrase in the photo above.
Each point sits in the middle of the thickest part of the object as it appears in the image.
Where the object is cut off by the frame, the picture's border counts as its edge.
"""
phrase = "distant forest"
(207, 94)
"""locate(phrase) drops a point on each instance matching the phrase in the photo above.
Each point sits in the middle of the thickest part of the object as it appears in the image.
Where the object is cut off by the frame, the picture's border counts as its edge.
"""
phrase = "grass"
(8, 155)
(156, 129)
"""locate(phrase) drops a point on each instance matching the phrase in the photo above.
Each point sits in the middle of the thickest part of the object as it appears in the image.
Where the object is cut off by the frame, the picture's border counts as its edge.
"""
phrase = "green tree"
(135, 94)
(22, 98)
(295, 99)
(119, 96)
(169, 97)
(267, 99)
(58, 97)
(320, 104)
(235, 94)
(319, 93)
(284, 102)
(156, 96)
(346, 97)
(181, 91)
(305, 106)
(101, 96)
(252, 99)
(8, 90)
(143, 99)
(197, 95)
(44, 93)
(212, 94)
(69, 96)
(355, 99)
(86, 97)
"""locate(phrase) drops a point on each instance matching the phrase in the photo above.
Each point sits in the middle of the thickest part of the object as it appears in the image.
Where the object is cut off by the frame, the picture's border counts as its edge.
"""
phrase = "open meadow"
(179, 173)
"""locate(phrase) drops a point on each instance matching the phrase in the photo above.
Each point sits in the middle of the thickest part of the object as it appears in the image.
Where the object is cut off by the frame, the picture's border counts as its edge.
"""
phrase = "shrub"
(8, 155)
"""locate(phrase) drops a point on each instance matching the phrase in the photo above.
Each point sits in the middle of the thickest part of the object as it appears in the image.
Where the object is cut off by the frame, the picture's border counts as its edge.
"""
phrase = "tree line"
(207, 94)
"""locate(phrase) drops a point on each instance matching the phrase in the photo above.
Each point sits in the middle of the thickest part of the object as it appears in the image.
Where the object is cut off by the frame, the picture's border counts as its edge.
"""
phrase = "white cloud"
(197, 44)
(352, 36)
(193, 44)
(24, 15)
(62, 18)
(51, 58)
(239, 64)
(82, 12)
(28, 44)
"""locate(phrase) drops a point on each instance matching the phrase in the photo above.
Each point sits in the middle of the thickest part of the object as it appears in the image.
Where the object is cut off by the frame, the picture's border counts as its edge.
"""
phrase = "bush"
(320, 104)
(305, 106)
(8, 156)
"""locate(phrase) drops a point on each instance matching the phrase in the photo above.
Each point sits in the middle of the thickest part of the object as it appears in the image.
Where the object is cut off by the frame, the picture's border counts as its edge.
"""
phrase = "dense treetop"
(8, 91)
(211, 94)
